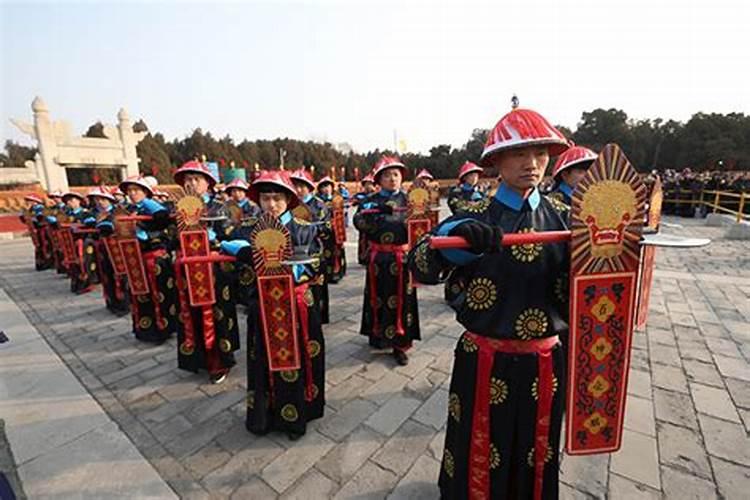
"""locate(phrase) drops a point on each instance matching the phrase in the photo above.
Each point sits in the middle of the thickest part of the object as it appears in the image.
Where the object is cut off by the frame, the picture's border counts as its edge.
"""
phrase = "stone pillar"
(53, 176)
(129, 142)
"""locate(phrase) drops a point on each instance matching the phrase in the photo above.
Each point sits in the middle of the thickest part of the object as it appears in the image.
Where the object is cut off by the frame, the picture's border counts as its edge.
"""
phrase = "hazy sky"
(355, 71)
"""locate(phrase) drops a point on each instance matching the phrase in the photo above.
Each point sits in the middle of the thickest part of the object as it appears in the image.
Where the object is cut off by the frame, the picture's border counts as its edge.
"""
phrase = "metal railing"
(713, 199)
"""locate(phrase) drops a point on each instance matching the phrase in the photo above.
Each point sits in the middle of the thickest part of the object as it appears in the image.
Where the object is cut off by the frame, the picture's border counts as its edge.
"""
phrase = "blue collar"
(206, 198)
(76, 210)
(243, 202)
(286, 217)
(512, 199)
(326, 197)
(565, 188)
(308, 198)
(386, 193)
(467, 187)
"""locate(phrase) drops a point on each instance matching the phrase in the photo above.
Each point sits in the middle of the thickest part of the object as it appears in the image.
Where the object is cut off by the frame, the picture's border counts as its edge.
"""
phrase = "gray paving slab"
(382, 435)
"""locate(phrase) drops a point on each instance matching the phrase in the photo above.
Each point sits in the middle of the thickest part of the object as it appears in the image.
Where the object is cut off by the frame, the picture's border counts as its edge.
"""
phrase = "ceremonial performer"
(281, 399)
(333, 253)
(390, 315)
(507, 388)
(207, 337)
(35, 219)
(79, 267)
(466, 195)
(368, 187)
(570, 167)
(154, 312)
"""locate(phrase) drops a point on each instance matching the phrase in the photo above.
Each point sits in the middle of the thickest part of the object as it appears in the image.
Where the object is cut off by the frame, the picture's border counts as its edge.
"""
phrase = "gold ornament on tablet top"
(189, 210)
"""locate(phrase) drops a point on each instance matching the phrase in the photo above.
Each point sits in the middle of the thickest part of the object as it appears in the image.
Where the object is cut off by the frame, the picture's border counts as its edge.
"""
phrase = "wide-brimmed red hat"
(100, 192)
(326, 180)
(194, 167)
(277, 179)
(72, 194)
(302, 175)
(237, 184)
(55, 194)
(386, 162)
(467, 168)
(424, 174)
(576, 155)
(33, 197)
(522, 128)
(137, 180)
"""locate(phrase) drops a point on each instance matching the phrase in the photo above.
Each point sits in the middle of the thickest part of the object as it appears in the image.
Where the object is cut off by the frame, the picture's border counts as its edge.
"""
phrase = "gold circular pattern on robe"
(157, 269)
(481, 294)
(409, 319)
(289, 376)
(392, 302)
(162, 324)
(218, 313)
(535, 387)
(170, 282)
(393, 268)
(161, 296)
(454, 406)
(309, 298)
(89, 250)
(289, 413)
(315, 391)
(145, 323)
(449, 464)
(230, 323)
(494, 457)
(531, 323)
(186, 349)
(387, 238)
(468, 344)
(247, 275)
(92, 267)
(498, 391)
(173, 309)
(225, 345)
(530, 456)
(250, 399)
(142, 298)
(313, 348)
(327, 254)
(390, 332)
(225, 294)
(526, 253)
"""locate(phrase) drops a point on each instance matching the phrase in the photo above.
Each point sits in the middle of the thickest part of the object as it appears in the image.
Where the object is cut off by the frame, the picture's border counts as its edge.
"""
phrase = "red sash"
(398, 251)
(479, 454)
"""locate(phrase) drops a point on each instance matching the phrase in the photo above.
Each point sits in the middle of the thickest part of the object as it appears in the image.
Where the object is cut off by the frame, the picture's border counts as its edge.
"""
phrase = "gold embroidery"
(494, 456)
(290, 376)
(225, 293)
(535, 385)
(454, 406)
(531, 323)
(481, 294)
(313, 348)
(289, 413)
(530, 456)
(526, 253)
(448, 463)
(387, 237)
(498, 391)
(145, 323)
(468, 344)
(225, 345)
(186, 350)
(392, 302)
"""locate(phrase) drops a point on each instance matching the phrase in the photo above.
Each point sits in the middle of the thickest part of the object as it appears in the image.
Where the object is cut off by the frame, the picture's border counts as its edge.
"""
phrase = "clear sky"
(356, 71)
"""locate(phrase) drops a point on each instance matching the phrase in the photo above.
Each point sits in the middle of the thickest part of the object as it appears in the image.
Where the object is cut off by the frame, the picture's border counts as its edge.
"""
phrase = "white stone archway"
(59, 149)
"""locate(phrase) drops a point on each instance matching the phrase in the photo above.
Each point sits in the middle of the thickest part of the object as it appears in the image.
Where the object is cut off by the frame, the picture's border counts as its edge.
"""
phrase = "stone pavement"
(687, 420)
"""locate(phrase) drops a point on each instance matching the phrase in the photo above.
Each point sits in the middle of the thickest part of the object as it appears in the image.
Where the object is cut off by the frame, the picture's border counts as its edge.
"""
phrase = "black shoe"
(401, 357)
(218, 378)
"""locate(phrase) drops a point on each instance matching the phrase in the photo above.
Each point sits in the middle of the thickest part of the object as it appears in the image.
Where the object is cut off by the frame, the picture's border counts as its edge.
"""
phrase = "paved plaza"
(125, 422)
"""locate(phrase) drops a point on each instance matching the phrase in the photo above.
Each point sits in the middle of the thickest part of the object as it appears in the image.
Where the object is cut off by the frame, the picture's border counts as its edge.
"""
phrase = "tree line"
(708, 141)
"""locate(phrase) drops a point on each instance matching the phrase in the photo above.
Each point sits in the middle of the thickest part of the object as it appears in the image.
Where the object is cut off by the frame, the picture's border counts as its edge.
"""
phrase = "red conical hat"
(137, 180)
(302, 175)
(72, 194)
(276, 178)
(424, 173)
(521, 128)
(468, 168)
(55, 194)
(573, 156)
(237, 184)
(33, 197)
(100, 192)
(325, 180)
(385, 163)
(194, 167)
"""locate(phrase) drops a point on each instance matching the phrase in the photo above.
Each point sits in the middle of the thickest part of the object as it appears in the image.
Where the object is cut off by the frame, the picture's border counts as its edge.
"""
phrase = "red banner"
(115, 256)
(279, 318)
(131, 252)
(68, 246)
(199, 275)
